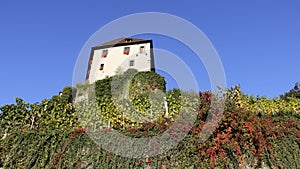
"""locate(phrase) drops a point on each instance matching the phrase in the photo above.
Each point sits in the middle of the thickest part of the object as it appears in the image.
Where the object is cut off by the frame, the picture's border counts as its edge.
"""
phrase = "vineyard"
(247, 131)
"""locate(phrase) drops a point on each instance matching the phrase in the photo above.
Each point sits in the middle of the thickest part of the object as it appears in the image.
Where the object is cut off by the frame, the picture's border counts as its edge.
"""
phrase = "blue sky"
(257, 41)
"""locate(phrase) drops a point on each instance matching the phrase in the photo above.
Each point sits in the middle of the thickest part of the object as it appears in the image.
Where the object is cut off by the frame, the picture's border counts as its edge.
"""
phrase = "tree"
(67, 94)
(295, 92)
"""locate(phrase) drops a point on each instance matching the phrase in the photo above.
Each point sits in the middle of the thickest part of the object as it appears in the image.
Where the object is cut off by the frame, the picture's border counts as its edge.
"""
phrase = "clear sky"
(257, 41)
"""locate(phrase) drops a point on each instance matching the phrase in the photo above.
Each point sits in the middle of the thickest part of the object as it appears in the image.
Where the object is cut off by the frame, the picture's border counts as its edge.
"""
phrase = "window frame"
(101, 66)
(126, 50)
(131, 63)
(142, 49)
(104, 53)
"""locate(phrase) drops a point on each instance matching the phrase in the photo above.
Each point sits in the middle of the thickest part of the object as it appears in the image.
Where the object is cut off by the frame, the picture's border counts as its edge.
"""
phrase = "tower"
(123, 53)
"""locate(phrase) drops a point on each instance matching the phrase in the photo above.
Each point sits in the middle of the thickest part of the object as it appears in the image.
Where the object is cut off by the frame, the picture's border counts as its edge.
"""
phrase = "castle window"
(131, 63)
(101, 67)
(142, 49)
(126, 50)
(104, 53)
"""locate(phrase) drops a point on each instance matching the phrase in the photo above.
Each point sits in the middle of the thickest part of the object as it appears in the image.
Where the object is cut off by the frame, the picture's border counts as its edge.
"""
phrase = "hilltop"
(246, 131)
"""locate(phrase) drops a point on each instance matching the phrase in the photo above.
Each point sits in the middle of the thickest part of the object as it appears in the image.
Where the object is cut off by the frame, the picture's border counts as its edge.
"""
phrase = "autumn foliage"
(253, 132)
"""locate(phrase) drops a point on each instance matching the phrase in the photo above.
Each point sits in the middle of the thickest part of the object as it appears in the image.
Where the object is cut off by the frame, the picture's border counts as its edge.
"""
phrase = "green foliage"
(128, 99)
(103, 88)
(67, 94)
(242, 139)
(253, 131)
(174, 100)
(293, 93)
(15, 117)
(56, 113)
(262, 105)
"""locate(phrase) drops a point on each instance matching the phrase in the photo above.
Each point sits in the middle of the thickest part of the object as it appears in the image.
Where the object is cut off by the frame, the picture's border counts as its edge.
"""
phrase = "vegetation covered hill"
(252, 132)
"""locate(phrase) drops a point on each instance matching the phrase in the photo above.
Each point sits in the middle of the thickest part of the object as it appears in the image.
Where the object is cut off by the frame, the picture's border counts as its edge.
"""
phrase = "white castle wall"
(116, 58)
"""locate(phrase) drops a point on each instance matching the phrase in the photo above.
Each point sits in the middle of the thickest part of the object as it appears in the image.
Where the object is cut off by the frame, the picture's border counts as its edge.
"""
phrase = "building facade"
(119, 55)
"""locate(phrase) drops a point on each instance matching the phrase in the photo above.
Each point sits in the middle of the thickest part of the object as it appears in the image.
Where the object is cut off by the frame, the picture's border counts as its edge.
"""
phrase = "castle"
(119, 54)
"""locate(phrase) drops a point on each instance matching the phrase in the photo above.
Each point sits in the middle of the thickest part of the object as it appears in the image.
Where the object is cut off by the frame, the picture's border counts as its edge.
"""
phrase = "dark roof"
(121, 42)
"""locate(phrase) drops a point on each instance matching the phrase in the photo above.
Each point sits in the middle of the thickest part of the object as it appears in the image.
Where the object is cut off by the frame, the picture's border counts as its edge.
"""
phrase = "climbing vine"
(253, 131)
